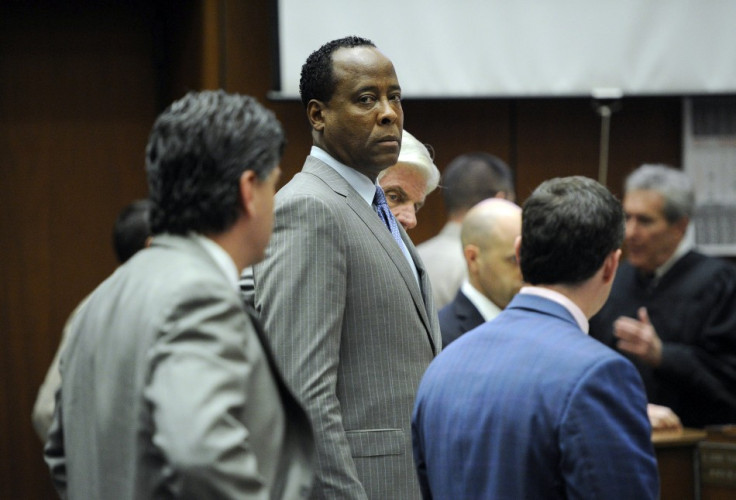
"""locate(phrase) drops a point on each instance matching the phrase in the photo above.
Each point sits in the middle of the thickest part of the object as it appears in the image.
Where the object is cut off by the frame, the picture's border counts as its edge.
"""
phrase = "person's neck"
(370, 173)
(232, 242)
(475, 283)
(457, 217)
(581, 295)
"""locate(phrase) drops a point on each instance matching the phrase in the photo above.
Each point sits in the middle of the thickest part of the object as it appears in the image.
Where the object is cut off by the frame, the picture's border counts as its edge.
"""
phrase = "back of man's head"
(569, 226)
(132, 229)
(473, 177)
(484, 222)
(672, 184)
(197, 152)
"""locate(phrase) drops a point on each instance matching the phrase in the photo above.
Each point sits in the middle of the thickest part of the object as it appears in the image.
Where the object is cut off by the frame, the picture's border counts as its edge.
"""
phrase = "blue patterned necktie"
(381, 208)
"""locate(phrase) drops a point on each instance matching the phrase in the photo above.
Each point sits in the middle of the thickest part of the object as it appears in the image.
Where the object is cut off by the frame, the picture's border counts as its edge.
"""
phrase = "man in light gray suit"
(348, 307)
(168, 390)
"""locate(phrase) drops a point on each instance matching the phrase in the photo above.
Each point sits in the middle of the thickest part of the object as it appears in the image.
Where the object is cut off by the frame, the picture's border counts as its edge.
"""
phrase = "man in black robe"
(673, 310)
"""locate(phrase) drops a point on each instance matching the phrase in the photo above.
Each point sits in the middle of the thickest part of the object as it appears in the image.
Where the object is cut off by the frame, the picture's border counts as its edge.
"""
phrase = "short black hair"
(569, 226)
(132, 229)
(197, 151)
(471, 178)
(317, 78)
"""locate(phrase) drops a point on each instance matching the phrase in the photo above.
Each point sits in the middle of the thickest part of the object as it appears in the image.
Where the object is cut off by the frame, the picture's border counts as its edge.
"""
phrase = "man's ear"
(316, 115)
(471, 253)
(247, 186)
(610, 265)
(682, 224)
(517, 249)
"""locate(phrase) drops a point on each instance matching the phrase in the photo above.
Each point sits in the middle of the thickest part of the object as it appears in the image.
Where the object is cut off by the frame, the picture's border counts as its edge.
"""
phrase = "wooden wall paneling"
(453, 127)
(213, 64)
(183, 60)
(248, 48)
(249, 68)
(644, 130)
(77, 99)
(556, 137)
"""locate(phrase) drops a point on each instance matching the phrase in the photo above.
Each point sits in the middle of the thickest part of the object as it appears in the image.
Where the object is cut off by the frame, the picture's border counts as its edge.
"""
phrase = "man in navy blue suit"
(528, 405)
(488, 234)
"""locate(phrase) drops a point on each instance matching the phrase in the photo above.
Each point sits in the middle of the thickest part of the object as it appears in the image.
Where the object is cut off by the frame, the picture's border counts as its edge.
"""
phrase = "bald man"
(488, 233)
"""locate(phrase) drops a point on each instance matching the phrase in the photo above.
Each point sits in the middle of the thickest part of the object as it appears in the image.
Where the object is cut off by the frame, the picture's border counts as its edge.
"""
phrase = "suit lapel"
(467, 313)
(369, 217)
(428, 311)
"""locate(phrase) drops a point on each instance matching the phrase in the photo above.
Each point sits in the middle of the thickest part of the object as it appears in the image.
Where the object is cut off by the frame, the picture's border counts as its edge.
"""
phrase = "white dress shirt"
(487, 309)
(568, 304)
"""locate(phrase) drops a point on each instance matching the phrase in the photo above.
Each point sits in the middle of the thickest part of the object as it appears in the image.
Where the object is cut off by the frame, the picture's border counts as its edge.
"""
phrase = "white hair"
(415, 154)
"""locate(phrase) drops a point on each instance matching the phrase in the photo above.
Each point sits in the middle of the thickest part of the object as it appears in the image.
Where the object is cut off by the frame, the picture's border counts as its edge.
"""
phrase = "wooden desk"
(676, 458)
(717, 456)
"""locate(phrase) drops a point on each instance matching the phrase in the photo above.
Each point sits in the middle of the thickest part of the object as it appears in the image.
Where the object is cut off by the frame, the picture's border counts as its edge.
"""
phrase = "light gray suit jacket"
(351, 329)
(167, 390)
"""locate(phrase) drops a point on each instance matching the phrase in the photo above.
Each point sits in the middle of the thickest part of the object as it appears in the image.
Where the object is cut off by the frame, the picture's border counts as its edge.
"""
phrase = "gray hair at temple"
(672, 184)
(415, 154)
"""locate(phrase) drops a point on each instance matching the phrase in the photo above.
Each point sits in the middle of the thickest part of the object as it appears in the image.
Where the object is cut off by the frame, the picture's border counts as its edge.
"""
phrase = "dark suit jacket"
(528, 406)
(693, 310)
(458, 317)
(352, 330)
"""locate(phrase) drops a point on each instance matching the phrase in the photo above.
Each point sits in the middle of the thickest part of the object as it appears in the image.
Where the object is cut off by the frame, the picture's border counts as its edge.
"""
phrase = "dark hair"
(569, 226)
(132, 228)
(473, 177)
(197, 151)
(317, 79)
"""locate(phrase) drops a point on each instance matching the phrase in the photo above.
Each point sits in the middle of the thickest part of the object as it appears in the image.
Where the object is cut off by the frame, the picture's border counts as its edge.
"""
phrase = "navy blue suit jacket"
(528, 406)
(458, 317)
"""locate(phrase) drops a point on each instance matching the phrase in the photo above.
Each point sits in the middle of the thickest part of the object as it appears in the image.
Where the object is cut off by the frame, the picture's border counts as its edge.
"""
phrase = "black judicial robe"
(693, 310)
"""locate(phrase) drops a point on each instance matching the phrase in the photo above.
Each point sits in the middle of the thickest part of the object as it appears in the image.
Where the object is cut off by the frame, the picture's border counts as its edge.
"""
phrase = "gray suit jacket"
(168, 392)
(446, 266)
(351, 329)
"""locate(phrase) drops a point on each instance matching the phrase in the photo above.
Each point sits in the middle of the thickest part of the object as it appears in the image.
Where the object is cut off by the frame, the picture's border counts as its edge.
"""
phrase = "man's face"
(498, 271)
(404, 188)
(361, 124)
(650, 239)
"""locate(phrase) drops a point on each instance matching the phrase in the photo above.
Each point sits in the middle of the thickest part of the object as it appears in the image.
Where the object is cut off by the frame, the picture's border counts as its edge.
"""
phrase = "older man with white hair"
(408, 183)
(672, 310)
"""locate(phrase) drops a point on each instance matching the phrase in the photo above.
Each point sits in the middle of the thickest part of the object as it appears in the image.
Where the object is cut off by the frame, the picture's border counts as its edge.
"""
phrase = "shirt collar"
(568, 304)
(686, 244)
(361, 183)
(485, 307)
(451, 229)
(221, 258)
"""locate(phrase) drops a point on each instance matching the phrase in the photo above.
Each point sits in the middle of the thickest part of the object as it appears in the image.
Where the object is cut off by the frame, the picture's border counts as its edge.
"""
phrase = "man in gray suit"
(167, 389)
(346, 305)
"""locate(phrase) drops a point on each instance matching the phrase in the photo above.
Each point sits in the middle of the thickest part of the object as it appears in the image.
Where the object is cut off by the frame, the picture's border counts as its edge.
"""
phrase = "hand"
(663, 418)
(639, 338)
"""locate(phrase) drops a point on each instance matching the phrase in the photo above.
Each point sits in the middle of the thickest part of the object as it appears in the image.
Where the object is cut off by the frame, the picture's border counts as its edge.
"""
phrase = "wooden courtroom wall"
(80, 86)
(79, 89)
